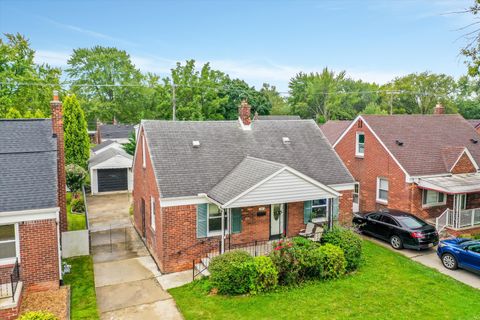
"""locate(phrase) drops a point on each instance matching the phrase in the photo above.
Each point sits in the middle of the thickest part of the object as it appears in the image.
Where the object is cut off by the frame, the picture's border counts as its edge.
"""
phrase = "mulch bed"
(54, 301)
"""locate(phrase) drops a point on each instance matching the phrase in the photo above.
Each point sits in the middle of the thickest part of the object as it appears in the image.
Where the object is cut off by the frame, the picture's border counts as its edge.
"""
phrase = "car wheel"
(396, 242)
(449, 261)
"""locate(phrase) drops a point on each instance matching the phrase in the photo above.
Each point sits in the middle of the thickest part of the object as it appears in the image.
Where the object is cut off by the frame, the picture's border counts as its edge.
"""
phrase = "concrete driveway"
(429, 258)
(126, 277)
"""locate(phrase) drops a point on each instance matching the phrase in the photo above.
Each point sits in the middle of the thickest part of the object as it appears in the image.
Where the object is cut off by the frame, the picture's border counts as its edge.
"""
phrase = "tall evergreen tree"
(77, 143)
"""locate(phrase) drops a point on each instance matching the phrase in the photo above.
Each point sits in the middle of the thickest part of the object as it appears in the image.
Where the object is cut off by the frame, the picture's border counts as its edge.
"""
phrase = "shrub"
(232, 272)
(38, 315)
(285, 258)
(77, 205)
(266, 277)
(75, 177)
(331, 263)
(349, 242)
(304, 242)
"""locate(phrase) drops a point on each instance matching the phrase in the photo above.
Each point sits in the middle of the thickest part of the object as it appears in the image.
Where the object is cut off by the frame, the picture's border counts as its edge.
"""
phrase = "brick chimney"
(244, 114)
(57, 128)
(98, 140)
(439, 109)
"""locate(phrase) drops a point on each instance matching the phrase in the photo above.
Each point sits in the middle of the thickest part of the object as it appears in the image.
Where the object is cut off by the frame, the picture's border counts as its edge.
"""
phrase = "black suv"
(401, 229)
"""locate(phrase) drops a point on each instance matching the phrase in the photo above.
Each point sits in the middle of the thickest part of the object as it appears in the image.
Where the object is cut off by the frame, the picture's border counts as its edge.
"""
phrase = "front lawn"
(387, 286)
(82, 286)
(76, 221)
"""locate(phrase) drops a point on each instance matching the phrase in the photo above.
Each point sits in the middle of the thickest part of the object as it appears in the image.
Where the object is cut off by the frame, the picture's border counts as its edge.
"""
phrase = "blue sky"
(259, 41)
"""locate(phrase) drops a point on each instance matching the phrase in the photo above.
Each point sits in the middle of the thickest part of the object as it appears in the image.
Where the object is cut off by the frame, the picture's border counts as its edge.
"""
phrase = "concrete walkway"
(126, 277)
(430, 259)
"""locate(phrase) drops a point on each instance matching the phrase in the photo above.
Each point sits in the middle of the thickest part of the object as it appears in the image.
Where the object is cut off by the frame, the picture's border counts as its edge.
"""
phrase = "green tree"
(131, 145)
(13, 113)
(77, 142)
(26, 86)
(279, 105)
(107, 83)
(373, 108)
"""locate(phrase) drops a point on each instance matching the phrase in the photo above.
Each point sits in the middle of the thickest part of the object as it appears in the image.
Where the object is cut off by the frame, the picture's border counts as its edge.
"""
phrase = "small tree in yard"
(75, 178)
(131, 145)
(77, 143)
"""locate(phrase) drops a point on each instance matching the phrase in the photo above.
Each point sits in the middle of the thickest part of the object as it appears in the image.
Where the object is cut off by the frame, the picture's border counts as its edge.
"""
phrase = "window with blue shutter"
(202, 220)
(307, 211)
(335, 209)
(236, 220)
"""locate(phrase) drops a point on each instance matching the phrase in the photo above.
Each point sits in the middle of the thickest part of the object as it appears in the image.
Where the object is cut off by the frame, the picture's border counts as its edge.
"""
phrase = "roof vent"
(286, 140)
(398, 142)
(474, 141)
(196, 144)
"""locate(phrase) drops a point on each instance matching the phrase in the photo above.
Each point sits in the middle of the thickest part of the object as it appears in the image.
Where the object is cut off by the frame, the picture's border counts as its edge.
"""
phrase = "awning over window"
(457, 183)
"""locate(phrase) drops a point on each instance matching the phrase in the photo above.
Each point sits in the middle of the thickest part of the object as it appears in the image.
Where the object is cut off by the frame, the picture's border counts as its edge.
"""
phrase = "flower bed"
(290, 263)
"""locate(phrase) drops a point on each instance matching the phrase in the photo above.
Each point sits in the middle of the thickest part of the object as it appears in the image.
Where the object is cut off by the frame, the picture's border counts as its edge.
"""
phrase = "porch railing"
(443, 220)
(463, 219)
(9, 282)
(469, 218)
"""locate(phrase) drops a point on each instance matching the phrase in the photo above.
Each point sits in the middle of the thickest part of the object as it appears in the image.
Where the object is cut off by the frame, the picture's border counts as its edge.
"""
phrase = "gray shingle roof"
(102, 145)
(182, 170)
(279, 117)
(248, 173)
(107, 154)
(116, 131)
(425, 139)
(28, 162)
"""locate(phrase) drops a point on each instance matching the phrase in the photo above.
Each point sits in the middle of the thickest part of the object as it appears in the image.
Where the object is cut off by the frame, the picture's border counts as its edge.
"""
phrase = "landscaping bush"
(285, 256)
(349, 242)
(331, 261)
(77, 205)
(232, 272)
(75, 177)
(266, 277)
(38, 315)
(304, 242)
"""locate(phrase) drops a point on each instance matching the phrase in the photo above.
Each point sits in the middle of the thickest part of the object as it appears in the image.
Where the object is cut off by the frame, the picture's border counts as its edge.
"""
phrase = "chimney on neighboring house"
(439, 109)
(244, 114)
(57, 128)
(255, 116)
(98, 140)
(114, 121)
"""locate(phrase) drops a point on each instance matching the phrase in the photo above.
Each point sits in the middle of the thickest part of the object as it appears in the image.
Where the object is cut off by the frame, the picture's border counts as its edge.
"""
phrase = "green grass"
(386, 286)
(82, 286)
(75, 221)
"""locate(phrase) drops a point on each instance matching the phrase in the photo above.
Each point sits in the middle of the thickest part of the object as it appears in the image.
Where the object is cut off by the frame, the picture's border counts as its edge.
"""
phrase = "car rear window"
(411, 222)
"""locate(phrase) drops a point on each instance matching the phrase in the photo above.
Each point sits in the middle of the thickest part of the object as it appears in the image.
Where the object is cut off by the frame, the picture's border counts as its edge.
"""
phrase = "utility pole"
(391, 103)
(174, 103)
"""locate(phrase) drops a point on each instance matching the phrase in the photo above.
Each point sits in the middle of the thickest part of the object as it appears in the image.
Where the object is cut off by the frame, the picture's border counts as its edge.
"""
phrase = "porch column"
(456, 210)
(222, 248)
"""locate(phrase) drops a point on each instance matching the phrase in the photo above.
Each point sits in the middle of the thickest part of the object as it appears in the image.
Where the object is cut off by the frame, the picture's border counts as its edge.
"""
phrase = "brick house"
(423, 164)
(32, 207)
(200, 185)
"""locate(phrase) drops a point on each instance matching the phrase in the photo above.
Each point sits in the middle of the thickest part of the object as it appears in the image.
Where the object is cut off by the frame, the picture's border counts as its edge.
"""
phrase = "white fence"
(464, 219)
(75, 243)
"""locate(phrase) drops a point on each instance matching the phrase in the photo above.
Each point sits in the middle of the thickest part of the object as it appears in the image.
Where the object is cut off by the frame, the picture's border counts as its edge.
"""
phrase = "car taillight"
(417, 235)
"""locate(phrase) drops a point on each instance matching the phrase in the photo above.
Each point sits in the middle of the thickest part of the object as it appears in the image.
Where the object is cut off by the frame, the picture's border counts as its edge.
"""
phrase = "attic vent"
(474, 141)
(286, 140)
(398, 142)
(196, 144)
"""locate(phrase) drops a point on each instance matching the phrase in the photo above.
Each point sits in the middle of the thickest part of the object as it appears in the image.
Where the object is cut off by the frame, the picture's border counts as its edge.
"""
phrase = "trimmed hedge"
(266, 277)
(349, 242)
(232, 272)
(331, 261)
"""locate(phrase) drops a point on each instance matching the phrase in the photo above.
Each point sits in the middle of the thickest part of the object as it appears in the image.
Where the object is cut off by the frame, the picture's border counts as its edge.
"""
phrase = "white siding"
(284, 187)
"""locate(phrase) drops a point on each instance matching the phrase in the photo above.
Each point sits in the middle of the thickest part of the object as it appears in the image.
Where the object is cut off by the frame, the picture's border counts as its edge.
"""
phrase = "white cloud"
(53, 58)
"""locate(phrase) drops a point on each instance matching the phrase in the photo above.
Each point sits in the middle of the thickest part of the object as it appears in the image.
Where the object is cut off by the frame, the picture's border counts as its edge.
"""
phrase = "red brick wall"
(464, 165)
(11, 313)
(375, 163)
(345, 214)
(145, 186)
(39, 268)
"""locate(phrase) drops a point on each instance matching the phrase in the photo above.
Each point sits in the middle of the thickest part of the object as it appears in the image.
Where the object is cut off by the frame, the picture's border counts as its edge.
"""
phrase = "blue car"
(460, 253)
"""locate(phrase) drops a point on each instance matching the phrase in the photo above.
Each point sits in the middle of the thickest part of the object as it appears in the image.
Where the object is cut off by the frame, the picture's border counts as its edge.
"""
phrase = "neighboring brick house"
(265, 178)
(475, 123)
(32, 206)
(333, 129)
(423, 164)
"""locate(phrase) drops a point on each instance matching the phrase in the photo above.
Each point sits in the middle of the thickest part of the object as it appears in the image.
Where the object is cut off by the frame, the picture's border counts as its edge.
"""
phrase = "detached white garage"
(111, 171)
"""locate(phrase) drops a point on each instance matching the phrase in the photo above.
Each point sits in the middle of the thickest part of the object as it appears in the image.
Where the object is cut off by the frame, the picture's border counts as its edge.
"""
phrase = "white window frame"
(9, 261)
(357, 144)
(217, 233)
(379, 200)
(433, 204)
(152, 213)
(144, 156)
(327, 210)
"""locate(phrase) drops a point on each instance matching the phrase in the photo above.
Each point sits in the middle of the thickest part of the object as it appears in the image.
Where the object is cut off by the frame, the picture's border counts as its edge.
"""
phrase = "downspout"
(57, 222)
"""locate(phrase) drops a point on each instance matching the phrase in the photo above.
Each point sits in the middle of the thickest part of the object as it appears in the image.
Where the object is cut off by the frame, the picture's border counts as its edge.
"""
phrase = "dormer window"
(360, 145)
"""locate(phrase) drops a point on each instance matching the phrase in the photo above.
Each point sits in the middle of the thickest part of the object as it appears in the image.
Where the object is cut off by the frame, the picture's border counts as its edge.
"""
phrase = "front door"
(356, 198)
(277, 220)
